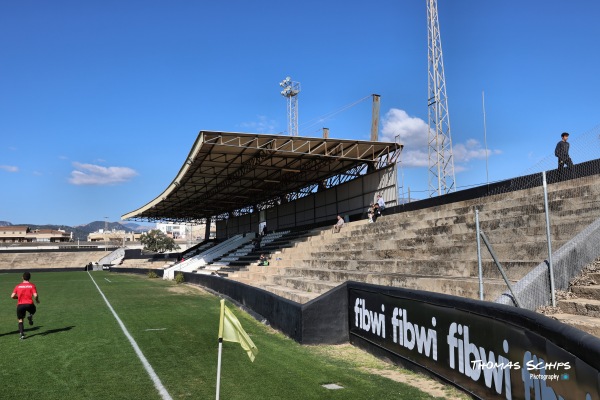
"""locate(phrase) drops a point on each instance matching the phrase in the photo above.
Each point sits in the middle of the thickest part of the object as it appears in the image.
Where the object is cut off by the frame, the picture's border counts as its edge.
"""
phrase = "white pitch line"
(156, 329)
(157, 383)
(107, 280)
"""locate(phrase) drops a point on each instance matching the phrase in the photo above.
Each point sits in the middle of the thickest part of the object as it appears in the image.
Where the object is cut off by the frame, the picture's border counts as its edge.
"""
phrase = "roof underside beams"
(225, 172)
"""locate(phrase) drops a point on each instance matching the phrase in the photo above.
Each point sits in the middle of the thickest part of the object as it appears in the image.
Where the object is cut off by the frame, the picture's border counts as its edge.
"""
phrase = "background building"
(116, 236)
(23, 234)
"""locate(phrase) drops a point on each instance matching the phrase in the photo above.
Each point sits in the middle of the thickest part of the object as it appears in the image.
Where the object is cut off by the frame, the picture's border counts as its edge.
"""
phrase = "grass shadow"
(16, 332)
(50, 331)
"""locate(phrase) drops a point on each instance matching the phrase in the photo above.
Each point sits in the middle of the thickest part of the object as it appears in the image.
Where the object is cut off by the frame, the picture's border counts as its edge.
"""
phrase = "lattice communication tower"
(441, 163)
(290, 92)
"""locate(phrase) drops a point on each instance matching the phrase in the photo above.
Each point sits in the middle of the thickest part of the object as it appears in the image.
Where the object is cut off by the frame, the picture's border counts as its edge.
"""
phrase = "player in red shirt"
(25, 292)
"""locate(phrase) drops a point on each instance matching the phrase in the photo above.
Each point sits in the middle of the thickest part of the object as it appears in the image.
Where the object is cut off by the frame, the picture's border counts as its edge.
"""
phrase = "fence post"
(491, 250)
(547, 210)
(479, 254)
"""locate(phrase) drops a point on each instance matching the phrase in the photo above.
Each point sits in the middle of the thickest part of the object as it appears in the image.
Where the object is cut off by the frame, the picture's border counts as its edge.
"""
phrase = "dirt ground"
(366, 362)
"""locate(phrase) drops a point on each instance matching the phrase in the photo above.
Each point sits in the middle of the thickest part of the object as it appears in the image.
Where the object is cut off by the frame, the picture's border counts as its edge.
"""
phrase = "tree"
(157, 242)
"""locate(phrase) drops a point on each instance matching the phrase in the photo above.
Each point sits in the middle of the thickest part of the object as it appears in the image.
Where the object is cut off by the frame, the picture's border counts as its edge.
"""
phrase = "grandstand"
(432, 260)
(427, 245)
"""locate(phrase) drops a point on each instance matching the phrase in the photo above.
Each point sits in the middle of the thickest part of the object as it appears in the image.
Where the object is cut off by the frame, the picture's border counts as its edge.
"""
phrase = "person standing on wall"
(25, 292)
(562, 152)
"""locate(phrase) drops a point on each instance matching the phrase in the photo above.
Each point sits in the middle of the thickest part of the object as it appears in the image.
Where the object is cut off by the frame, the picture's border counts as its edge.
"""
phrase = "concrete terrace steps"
(582, 312)
(423, 249)
(587, 307)
(319, 281)
(49, 259)
(514, 269)
(587, 292)
(342, 275)
(435, 248)
(585, 323)
(464, 287)
(562, 209)
(492, 205)
(467, 252)
(460, 286)
(299, 296)
(490, 208)
(531, 199)
(384, 227)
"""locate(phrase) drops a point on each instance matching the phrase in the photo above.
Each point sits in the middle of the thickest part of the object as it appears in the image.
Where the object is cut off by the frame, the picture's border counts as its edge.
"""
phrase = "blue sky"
(100, 101)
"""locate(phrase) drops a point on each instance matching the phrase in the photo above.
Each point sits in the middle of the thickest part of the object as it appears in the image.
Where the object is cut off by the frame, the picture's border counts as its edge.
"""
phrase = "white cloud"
(9, 168)
(471, 150)
(262, 125)
(89, 174)
(412, 132)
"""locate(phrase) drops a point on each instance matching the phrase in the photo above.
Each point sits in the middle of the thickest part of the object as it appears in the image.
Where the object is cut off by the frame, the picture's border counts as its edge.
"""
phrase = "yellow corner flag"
(231, 330)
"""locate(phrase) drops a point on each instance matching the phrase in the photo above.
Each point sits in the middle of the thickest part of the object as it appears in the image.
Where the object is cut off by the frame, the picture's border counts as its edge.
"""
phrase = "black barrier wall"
(490, 350)
(321, 321)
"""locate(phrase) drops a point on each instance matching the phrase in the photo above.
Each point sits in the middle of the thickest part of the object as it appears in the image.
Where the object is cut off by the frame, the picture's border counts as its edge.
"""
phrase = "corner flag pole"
(220, 348)
(231, 330)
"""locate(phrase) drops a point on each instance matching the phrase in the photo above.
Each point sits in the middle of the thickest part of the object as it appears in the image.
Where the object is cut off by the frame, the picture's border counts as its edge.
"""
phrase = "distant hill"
(81, 232)
(137, 227)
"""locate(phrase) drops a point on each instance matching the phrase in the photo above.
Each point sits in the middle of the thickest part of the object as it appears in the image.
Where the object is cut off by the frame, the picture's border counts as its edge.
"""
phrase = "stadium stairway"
(201, 259)
(434, 249)
(581, 307)
(240, 259)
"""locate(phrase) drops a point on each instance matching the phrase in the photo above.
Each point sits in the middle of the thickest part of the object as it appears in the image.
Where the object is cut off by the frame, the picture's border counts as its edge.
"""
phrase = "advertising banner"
(489, 357)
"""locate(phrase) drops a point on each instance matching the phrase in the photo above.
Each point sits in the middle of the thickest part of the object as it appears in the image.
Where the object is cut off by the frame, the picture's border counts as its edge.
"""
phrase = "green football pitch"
(104, 335)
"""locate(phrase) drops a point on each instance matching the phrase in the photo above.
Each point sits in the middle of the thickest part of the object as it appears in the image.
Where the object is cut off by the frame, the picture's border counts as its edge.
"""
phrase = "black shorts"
(22, 309)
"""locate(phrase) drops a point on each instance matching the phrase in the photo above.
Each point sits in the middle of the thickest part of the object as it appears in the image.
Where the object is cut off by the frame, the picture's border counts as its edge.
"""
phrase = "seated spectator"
(338, 225)
(263, 260)
(376, 212)
(381, 203)
(370, 213)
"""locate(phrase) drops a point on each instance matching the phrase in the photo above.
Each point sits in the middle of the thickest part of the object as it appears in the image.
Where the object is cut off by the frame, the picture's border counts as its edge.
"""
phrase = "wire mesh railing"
(541, 226)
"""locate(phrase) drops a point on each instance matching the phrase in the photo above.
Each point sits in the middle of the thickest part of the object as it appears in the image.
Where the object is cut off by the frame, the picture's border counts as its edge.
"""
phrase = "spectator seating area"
(204, 257)
(235, 253)
(434, 248)
(269, 244)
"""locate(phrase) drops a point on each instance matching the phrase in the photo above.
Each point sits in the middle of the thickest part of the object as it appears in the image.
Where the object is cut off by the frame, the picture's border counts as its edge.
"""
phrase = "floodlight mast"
(290, 92)
(441, 162)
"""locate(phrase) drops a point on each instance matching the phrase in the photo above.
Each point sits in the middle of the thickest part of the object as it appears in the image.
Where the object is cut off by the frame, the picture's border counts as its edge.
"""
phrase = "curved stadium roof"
(230, 171)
